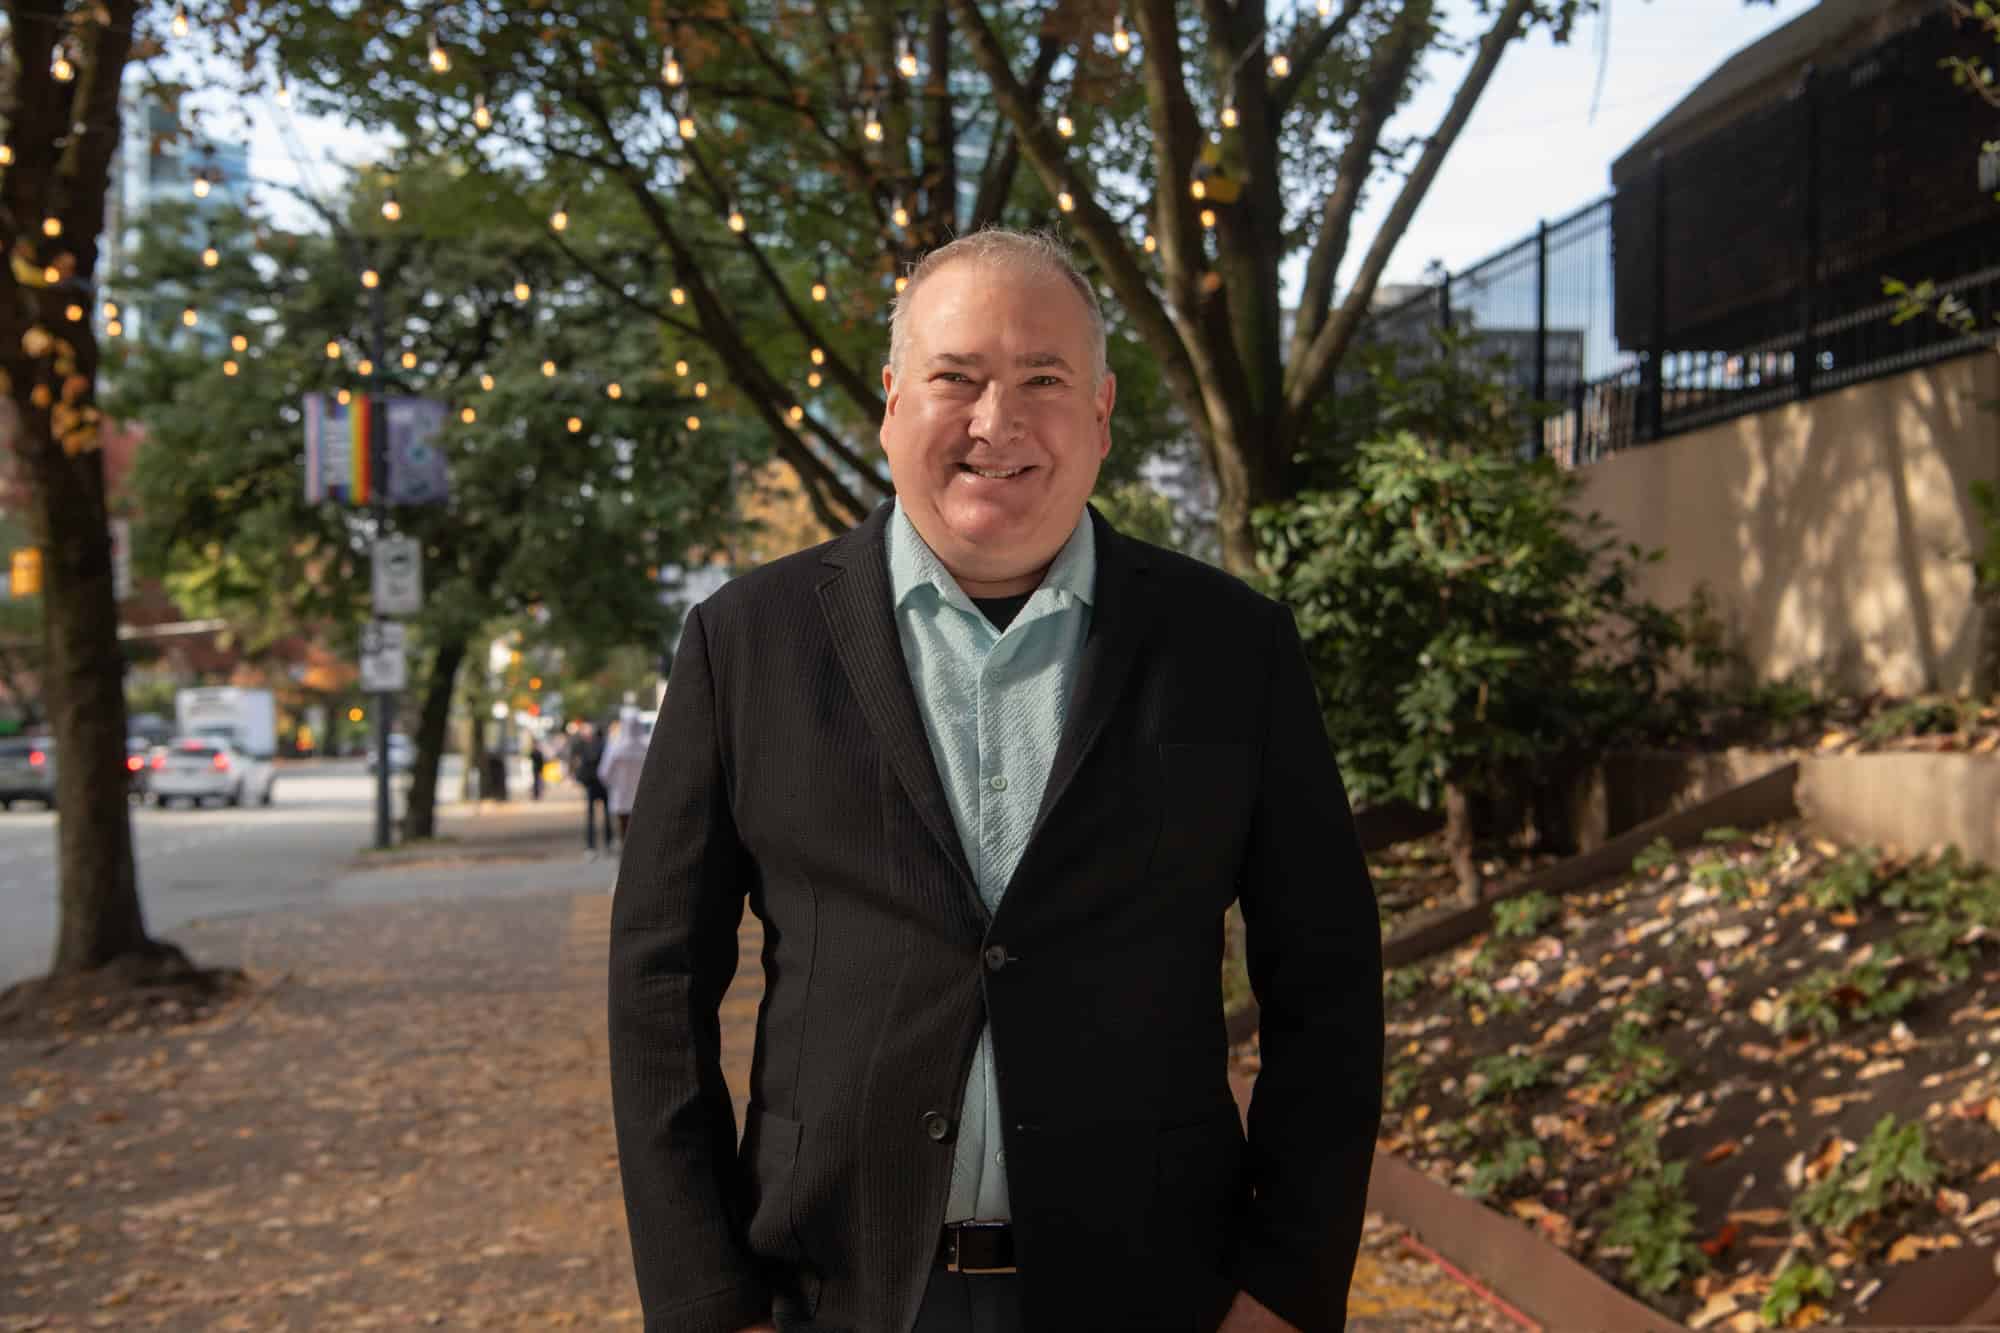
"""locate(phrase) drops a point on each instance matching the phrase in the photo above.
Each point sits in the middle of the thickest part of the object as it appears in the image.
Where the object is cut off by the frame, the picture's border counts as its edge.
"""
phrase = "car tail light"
(36, 759)
(222, 763)
(159, 761)
(134, 763)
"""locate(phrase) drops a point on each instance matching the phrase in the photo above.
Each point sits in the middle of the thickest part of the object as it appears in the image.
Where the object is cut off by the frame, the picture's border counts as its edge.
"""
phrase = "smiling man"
(990, 774)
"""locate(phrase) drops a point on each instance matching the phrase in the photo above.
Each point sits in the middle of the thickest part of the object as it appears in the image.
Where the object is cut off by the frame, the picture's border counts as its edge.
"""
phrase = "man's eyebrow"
(1028, 360)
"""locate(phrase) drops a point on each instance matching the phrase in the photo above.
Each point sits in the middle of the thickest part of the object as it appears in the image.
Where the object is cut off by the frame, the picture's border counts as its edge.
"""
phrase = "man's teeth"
(995, 474)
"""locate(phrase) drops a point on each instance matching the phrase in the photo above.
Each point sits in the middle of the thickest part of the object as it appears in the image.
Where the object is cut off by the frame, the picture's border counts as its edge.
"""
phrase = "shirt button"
(996, 957)
(937, 1126)
(998, 782)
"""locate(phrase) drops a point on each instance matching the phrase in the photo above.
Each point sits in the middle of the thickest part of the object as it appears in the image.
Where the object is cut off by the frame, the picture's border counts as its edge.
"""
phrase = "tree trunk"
(420, 808)
(1986, 664)
(84, 685)
(1458, 843)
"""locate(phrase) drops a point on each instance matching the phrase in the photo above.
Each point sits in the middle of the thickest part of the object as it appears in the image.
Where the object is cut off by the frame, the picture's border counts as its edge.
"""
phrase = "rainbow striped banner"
(338, 464)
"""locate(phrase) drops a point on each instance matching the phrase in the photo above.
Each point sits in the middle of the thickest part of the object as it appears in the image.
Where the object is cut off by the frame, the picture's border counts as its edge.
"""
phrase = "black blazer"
(790, 768)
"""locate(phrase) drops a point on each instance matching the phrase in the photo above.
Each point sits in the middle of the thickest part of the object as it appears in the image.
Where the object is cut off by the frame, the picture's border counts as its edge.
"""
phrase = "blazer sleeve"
(674, 917)
(1314, 950)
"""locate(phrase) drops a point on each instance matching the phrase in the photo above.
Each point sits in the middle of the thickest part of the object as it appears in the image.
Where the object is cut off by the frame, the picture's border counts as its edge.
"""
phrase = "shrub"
(1520, 917)
(1893, 1164)
(1789, 1293)
(1652, 1219)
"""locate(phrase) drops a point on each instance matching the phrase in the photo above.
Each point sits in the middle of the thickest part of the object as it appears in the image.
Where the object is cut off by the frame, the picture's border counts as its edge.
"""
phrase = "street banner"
(340, 465)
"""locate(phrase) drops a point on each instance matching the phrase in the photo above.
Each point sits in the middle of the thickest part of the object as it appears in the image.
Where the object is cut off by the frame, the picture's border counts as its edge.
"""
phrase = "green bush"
(1788, 1295)
(1894, 1164)
(1498, 1173)
(1518, 918)
(1653, 1219)
(1506, 1074)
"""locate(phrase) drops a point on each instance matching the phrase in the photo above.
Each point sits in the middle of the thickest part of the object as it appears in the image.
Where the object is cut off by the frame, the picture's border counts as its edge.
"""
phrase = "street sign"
(121, 559)
(399, 576)
(385, 666)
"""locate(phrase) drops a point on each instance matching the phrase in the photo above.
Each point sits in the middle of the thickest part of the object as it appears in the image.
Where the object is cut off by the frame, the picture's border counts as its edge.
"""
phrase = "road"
(213, 861)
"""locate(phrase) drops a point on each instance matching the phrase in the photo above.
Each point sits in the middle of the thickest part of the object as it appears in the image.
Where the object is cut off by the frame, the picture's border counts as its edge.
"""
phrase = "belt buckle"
(954, 1265)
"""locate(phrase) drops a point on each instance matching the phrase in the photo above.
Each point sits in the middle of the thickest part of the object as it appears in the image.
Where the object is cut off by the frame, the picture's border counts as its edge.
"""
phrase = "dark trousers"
(956, 1303)
(596, 798)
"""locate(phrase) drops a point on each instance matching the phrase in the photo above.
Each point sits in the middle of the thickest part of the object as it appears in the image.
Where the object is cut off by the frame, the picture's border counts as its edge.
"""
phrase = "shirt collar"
(913, 566)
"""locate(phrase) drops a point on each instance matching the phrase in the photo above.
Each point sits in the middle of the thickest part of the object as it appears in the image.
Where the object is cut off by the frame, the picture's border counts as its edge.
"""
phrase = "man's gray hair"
(1025, 251)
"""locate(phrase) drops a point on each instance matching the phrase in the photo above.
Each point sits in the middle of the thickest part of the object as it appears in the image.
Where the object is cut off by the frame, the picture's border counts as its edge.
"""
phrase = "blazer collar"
(859, 604)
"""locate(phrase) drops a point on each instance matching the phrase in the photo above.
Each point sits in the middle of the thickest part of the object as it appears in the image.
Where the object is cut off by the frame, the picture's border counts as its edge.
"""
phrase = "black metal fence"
(1743, 289)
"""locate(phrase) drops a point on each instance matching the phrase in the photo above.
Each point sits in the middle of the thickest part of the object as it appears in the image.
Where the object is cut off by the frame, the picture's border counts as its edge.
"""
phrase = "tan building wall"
(1833, 535)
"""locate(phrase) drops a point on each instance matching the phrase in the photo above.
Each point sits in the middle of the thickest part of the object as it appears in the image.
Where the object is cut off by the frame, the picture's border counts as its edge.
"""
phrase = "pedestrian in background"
(535, 761)
(589, 754)
(619, 771)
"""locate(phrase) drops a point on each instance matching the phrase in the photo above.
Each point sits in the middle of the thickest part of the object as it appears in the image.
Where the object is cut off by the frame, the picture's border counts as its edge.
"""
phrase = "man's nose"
(996, 416)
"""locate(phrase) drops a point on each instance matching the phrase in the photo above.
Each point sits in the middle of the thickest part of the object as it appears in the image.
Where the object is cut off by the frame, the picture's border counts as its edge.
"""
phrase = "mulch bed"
(1754, 1009)
(1414, 879)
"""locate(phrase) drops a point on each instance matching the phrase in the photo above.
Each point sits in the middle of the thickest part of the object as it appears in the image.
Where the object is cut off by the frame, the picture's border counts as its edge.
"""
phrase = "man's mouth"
(993, 473)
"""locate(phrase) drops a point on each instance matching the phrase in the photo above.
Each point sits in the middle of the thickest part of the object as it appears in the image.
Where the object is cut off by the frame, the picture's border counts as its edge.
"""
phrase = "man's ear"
(889, 388)
(1107, 397)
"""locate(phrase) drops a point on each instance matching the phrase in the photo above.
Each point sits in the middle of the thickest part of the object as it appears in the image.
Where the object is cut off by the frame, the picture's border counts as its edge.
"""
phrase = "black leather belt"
(977, 1248)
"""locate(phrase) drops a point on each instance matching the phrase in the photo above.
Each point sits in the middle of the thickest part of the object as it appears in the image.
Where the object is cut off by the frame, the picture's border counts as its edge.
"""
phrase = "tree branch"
(1309, 53)
(1003, 152)
(1310, 377)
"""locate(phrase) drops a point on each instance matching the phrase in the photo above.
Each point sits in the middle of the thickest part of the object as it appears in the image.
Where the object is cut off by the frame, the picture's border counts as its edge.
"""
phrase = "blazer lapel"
(860, 611)
(1121, 613)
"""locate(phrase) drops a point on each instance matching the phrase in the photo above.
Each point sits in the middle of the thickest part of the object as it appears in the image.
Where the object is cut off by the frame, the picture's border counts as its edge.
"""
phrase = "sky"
(1532, 150)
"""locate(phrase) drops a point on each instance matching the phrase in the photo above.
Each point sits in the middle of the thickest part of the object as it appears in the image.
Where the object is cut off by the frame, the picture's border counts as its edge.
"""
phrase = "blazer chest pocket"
(1207, 789)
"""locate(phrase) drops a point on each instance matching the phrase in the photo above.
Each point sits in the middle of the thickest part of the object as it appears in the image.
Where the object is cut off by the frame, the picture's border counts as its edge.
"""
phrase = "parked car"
(203, 768)
(27, 771)
(402, 753)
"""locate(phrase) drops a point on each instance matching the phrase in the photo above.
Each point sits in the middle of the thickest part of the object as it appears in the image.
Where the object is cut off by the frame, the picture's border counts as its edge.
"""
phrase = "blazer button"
(937, 1126)
(996, 957)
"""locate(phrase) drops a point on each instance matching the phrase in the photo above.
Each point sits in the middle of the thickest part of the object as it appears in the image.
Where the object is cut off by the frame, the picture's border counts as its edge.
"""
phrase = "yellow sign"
(26, 572)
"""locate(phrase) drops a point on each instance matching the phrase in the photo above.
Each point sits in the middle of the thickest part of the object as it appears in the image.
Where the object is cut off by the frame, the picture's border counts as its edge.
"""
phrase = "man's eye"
(951, 377)
(1044, 380)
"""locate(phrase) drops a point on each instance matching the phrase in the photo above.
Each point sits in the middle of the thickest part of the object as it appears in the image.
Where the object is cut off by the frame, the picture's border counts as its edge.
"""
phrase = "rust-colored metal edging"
(1747, 805)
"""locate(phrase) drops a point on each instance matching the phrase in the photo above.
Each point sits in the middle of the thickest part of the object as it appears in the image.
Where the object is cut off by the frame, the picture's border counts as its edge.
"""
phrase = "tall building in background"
(158, 164)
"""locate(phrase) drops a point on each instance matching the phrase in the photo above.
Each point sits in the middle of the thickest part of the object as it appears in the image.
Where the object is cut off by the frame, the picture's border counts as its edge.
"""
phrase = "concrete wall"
(1833, 534)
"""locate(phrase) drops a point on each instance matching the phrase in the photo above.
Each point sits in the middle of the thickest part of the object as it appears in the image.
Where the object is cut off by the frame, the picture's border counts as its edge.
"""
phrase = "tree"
(63, 69)
(789, 160)
(580, 469)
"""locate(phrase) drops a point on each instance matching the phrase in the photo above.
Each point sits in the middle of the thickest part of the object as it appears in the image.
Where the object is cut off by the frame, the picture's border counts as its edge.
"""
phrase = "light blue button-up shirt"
(993, 705)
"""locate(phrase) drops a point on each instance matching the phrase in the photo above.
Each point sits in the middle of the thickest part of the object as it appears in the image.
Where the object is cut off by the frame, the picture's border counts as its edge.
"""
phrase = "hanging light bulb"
(210, 257)
(614, 390)
(467, 415)
(818, 355)
(900, 215)
(180, 21)
(1065, 126)
(1208, 218)
(1121, 38)
(521, 289)
(51, 275)
(486, 382)
(332, 350)
(701, 388)
(370, 278)
(284, 92)
(189, 317)
(737, 222)
(559, 220)
(114, 329)
(906, 57)
(60, 66)
(797, 414)
(230, 368)
(548, 370)
(1150, 244)
(202, 185)
(73, 313)
(364, 367)
(677, 296)
(52, 226)
(481, 115)
(1229, 117)
(239, 343)
(819, 292)
(694, 423)
(685, 122)
(681, 369)
(111, 310)
(409, 360)
(6, 155)
(670, 68)
(871, 123)
(391, 210)
(439, 57)
(1198, 188)
(1066, 201)
(575, 424)
(815, 379)
(902, 281)
(343, 398)
(1281, 65)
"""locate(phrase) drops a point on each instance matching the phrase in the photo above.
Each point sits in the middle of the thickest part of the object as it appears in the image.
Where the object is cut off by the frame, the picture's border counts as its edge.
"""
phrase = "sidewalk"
(405, 1126)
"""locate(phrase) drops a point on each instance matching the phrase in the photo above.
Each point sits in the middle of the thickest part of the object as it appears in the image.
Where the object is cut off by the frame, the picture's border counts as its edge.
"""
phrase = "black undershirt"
(1002, 610)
